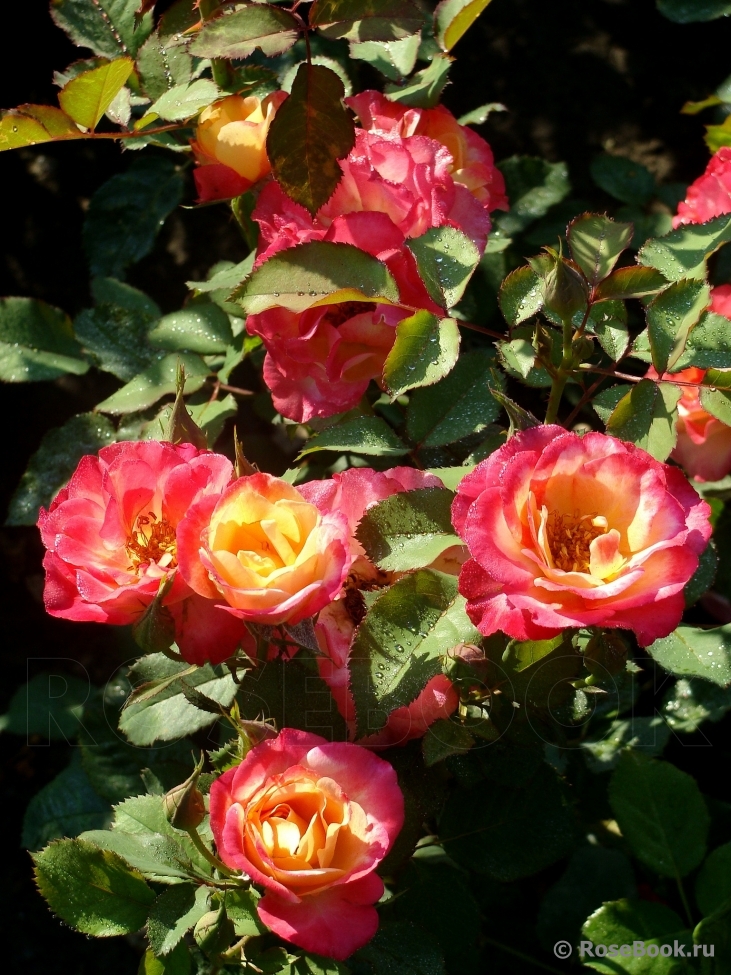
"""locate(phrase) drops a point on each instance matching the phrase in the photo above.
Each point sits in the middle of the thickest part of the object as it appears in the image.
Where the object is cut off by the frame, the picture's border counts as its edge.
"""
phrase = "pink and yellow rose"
(568, 531)
(271, 555)
(111, 539)
(230, 145)
(309, 821)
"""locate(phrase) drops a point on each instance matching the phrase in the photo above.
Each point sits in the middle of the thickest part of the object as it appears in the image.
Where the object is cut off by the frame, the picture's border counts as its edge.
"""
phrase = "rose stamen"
(570, 537)
(152, 540)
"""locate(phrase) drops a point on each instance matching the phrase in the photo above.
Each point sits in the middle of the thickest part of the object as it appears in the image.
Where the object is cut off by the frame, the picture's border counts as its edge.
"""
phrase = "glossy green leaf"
(446, 259)
(717, 401)
(156, 381)
(596, 243)
(167, 715)
(309, 133)
(54, 462)
(366, 20)
(452, 19)
(533, 186)
(646, 416)
(178, 962)
(108, 27)
(459, 405)
(708, 345)
(713, 883)
(87, 97)
(394, 59)
(211, 415)
(110, 291)
(408, 530)
(241, 909)
(608, 321)
(424, 89)
(144, 817)
(690, 11)
(670, 318)
(424, 351)
(174, 912)
(661, 813)
(521, 295)
(630, 282)
(238, 34)
(158, 857)
(623, 179)
(625, 922)
(115, 339)
(692, 701)
(605, 402)
(49, 705)
(399, 645)
(683, 252)
(704, 576)
(603, 749)
(690, 652)
(92, 890)
(400, 948)
(715, 931)
(66, 806)
(126, 213)
(445, 738)
(300, 277)
(200, 327)
(36, 342)
(162, 64)
(183, 101)
(364, 435)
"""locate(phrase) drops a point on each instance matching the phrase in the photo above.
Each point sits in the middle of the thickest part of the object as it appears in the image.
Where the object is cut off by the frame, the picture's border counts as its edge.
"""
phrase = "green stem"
(684, 899)
(522, 956)
(562, 374)
(204, 851)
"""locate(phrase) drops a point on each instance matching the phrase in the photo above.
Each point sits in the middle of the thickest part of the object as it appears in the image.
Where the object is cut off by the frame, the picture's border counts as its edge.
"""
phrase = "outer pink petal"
(205, 632)
(270, 758)
(334, 923)
(188, 536)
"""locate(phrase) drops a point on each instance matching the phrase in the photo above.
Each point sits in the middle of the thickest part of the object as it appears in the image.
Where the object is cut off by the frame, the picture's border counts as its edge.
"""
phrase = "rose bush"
(310, 821)
(567, 531)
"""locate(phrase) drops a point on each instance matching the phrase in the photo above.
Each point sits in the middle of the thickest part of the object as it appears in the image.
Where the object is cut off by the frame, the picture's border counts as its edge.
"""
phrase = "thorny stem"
(204, 851)
(562, 373)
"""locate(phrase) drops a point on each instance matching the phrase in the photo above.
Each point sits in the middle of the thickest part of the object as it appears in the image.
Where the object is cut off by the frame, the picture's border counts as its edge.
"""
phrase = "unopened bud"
(184, 805)
(565, 290)
(214, 932)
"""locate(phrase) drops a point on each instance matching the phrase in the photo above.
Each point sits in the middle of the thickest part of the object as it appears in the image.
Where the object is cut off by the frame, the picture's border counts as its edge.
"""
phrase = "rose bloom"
(230, 145)
(473, 164)
(270, 554)
(721, 300)
(310, 821)
(568, 531)
(703, 448)
(111, 540)
(710, 195)
(352, 493)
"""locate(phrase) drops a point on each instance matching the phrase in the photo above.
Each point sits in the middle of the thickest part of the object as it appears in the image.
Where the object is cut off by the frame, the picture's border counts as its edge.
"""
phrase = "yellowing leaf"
(453, 18)
(29, 125)
(87, 97)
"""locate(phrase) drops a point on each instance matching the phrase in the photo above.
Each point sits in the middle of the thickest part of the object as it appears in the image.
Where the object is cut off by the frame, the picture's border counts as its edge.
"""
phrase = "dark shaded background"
(577, 76)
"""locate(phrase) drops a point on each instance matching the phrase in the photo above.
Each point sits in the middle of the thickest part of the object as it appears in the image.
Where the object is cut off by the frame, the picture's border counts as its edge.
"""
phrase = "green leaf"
(126, 213)
(174, 912)
(691, 702)
(144, 817)
(54, 462)
(510, 831)
(713, 884)
(168, 715)
(394, 59)
(457, 406)
(624, 922)
(30, 125)
(689, 652)
(690, 11)
(366, 20)
(539, 672)
(661, 813)
(445, 738)
(424, 89)
(363, 435)
(606, 401)
(603, 748)
(92, 890)
(211, 416)
(408, 530)
(533, 186)
(446, 259)
(116, 339)
(703, 577)
(36, 342)
(237, 35)
(399, 645)
(630, 282)
(670, 318)
(50, 705)
(623, 179)
(646, 416)
(157, 857)
(309, 133)
(156, 381)
(178, 962)
(66, 806)
(452, 18)
(520, 296)
(608, 321)
(110, 291)
(302, 276)
(162, 65)
(108, 27)
(708, 345)
(683, 252)
(717, 401)
(241, 909)
(596, 243)
(400, 948)
(184, 101)
(200, 327)
(224, 276)
(87, 97)
(424, 351)
(520, 419)
(716, 931)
